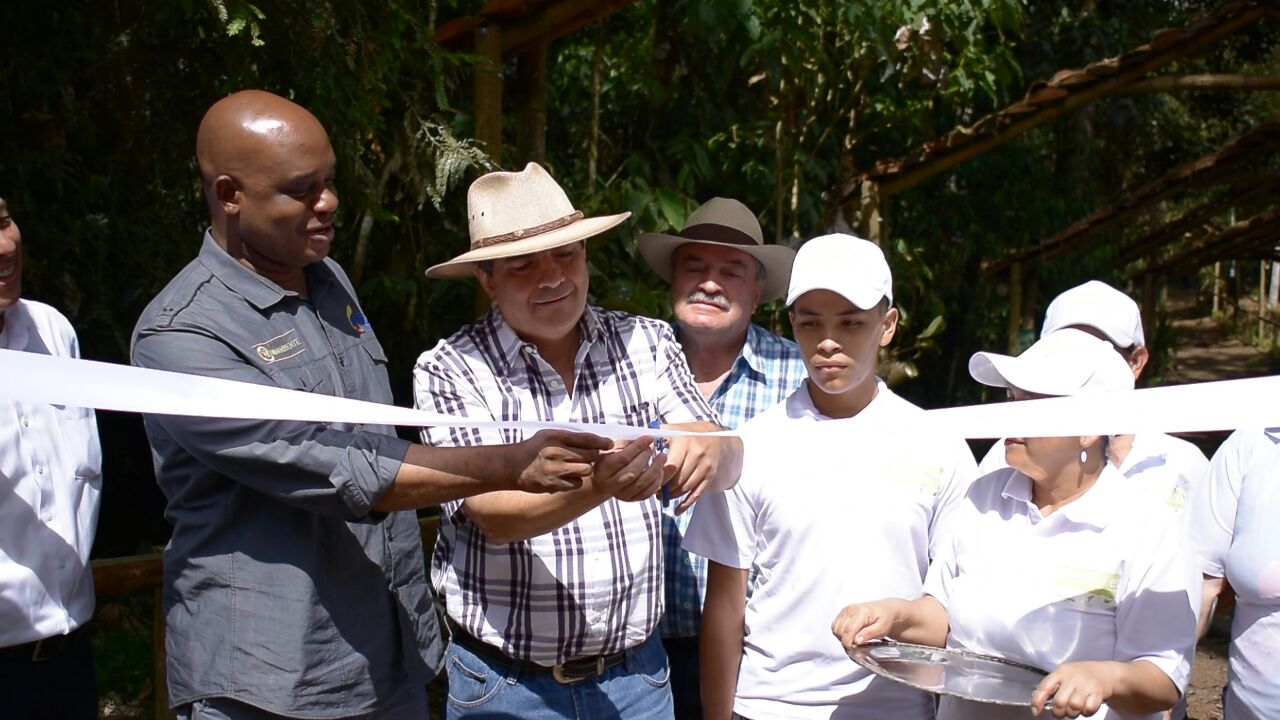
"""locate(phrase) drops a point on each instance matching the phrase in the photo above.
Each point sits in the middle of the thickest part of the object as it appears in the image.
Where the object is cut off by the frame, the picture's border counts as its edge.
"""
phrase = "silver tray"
(968, 675)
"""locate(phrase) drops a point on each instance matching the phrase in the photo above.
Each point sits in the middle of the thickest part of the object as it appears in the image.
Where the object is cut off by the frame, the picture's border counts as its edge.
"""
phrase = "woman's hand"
(865, 622)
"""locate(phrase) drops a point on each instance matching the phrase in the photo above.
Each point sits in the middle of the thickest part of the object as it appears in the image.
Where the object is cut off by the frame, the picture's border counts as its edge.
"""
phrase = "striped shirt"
(768, 369)
(593, 586)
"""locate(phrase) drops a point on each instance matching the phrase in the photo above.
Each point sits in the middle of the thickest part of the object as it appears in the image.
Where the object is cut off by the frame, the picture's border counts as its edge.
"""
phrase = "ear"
(485, 280)
(1087, 441)
(888, 326)
(227, 191)
(1138, 360)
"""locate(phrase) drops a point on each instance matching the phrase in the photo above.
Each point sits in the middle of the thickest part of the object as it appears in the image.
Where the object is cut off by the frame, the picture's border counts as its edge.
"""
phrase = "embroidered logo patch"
(280, 347)
(358, 321)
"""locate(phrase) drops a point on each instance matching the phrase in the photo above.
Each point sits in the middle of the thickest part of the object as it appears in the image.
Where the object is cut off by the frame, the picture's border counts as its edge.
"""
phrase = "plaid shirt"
(593, 586)
(767, 371)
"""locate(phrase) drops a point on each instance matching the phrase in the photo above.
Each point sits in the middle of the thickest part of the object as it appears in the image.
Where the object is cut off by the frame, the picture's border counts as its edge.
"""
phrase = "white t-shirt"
(1104, 577)
(832, 513)
(1167, 469)
(50, 479)
(1235, 530)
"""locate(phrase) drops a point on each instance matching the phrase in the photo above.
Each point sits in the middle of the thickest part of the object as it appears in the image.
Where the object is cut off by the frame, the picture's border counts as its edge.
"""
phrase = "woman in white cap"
(1053, 562)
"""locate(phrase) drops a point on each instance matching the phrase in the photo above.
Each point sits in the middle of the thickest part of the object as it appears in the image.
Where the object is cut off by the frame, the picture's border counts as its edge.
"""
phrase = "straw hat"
(519, 213)
(728, 223)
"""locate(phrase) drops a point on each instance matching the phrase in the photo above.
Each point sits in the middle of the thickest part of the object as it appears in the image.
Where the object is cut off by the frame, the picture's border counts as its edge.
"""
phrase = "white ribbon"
(1201, 407)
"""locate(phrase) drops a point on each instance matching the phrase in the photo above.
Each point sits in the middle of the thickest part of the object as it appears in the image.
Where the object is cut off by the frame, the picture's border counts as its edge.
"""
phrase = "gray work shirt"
(282, 588)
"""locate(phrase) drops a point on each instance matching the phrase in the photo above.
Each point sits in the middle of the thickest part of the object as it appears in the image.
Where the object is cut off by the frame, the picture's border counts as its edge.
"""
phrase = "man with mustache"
(294, 582)
(553, 602)
(844, 493)
(50, 479)
(720, 271)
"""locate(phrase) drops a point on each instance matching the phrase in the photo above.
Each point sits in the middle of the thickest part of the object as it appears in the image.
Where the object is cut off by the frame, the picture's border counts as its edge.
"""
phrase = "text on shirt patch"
(280, 347)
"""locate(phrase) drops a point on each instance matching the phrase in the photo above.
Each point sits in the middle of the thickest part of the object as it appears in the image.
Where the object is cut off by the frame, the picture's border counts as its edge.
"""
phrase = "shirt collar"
(259, 291)
(510, 344)
(752, 348)
(800, 403)
(1094, 508)
(14, 335)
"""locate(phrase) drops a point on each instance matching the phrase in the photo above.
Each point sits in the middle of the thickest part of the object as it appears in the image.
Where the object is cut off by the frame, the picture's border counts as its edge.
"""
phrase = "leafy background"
(655, 109)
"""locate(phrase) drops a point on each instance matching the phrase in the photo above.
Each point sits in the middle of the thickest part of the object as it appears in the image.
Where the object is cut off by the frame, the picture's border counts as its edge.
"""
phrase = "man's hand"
(630, 472)
(556, 460)
(697, 464)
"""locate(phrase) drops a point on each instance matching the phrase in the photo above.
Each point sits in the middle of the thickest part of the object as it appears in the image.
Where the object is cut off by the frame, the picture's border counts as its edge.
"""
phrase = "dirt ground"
(1208, 676)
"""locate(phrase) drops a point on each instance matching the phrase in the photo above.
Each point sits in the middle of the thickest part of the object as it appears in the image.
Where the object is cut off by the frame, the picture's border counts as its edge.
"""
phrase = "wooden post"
(159, 660)
(1015, 306)
(869, 213)
(1262, 300)
(1149, 306)
(531, 128)
(1217, 280)
(487, 86)
(487, 89)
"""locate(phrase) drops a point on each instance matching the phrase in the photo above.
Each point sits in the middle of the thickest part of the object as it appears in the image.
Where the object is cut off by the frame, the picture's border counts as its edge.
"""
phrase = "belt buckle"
(558, 674)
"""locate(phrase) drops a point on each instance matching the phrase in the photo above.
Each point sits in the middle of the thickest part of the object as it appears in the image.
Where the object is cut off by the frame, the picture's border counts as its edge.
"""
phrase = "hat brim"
(462, 265)
(657, 248)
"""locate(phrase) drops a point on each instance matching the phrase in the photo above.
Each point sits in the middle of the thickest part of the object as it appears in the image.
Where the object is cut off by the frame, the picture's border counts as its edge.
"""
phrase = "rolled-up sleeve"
(313, 466)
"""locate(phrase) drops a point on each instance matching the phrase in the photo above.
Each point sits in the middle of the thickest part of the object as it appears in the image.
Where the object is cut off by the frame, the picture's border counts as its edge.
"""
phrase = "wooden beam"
(1206, 171)
(1234, 196)
(124, 575)
(554, 21)
(1178, 83)
(1072, 100)
(1230, 240)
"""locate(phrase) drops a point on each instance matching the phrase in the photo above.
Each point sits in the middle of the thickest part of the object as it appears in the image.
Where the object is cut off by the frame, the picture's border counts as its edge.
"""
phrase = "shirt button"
(39, 469)
(25, 422)
(554, 384)
(48, 517)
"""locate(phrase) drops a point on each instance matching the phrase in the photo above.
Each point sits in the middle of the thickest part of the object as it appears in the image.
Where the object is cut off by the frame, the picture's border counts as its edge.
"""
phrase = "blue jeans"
(637, 689)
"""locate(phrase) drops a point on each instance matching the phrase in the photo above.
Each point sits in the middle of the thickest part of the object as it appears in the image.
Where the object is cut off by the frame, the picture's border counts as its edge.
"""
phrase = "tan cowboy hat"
(728, 223)
(518, 213)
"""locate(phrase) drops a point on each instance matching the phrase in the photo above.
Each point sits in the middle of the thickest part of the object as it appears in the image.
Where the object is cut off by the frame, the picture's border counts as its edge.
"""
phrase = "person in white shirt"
(1165, 468)
(50, 479)
(1237, 544)
(841, 499)
(1055, 562)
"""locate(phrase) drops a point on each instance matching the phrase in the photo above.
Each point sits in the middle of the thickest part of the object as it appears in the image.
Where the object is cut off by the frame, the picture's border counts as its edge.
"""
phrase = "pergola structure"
(519, 29)
(1239, 168)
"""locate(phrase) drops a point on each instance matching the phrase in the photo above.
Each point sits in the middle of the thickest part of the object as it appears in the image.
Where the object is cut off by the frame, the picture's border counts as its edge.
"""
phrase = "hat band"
(523, 233)
(713, 232)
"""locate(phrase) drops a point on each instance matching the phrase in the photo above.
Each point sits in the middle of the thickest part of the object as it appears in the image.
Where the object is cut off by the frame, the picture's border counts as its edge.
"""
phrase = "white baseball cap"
(1065, 362)
(846, 265)
(1099, 306)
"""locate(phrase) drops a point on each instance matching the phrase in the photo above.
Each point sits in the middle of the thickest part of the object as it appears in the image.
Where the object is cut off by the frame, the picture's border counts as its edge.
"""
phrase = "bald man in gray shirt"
(295, 583)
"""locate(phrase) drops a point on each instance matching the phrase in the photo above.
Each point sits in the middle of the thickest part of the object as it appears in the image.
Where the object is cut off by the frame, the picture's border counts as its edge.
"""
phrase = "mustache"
(697, 296)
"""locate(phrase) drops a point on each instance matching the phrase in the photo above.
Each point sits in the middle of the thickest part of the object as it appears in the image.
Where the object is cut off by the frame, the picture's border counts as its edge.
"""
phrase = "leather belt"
(39, 650)
(567, 673)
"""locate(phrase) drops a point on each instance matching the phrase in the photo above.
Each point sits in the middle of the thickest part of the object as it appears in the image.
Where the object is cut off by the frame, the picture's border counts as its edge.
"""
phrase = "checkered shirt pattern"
(593, 586)
(768, 369)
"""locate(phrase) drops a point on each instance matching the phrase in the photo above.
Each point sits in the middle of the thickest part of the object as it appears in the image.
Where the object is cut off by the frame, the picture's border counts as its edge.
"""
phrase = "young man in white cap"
(1164, 467)
(720, 271)
(553, 605)
(842, 495)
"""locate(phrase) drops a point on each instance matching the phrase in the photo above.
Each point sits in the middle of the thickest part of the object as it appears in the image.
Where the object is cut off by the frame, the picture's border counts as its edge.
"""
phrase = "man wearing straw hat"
(720, 271)
(553, 605)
